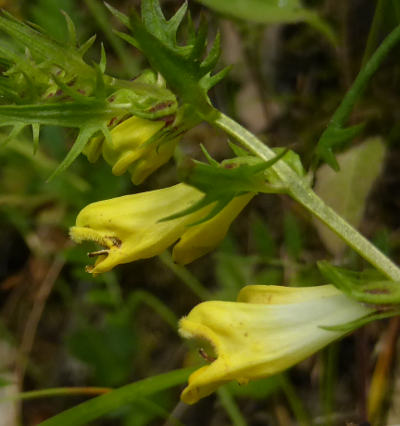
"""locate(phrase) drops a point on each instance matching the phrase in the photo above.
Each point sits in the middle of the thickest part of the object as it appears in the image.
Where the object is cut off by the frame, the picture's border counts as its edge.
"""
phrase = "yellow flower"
(129, 150)
(269, 329)
(130, 227)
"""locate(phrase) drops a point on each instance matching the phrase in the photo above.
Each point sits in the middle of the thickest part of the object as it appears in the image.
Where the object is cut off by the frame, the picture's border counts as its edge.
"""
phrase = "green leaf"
(99, 406)
(335, 137)
(83, 138)
(184, 67)
(346, 191)
(100, 15)
(49, 15)
(42, 47)
(271, 11)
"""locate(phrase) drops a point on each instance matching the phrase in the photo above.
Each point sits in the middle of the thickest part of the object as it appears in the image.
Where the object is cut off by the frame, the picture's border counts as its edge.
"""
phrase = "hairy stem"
(301, 192)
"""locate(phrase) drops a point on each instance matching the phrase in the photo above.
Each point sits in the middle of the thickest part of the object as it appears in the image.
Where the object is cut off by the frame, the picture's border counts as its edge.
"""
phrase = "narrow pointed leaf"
(35, 136)
(211, 60)
(174, 23)
(119, 15)
(103, 60)
(335, 137)
(87, 45)
(71, 29)
(97, 407)
(78, 146)
(271, 11)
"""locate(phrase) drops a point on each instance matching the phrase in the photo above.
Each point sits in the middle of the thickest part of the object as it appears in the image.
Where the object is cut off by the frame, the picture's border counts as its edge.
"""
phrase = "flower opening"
(268, 330)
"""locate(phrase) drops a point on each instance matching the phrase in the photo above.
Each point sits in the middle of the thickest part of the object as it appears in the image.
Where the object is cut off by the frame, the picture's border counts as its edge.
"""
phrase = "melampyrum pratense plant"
(136, 125)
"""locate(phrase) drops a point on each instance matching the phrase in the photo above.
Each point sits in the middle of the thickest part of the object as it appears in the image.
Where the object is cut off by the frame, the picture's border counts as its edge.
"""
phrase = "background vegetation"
(60, 327)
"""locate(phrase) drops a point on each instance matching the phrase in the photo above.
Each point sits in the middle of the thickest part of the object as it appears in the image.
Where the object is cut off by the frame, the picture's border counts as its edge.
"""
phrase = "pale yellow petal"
(276, 294)
(132, 224)
(128, 142)
(152, 160)
(254, 340)
(201, 239)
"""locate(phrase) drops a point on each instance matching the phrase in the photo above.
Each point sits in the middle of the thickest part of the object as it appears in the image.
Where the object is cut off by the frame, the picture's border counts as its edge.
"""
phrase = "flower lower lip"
(98, 253)
(107, 243)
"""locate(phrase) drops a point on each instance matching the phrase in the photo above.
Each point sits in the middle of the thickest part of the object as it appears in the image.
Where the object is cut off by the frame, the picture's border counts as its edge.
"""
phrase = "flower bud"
(131, 149)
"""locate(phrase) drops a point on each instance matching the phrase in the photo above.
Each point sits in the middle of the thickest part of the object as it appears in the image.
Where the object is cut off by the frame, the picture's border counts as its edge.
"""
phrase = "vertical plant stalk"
(301, 192)
(374, 30)
(302, 416)
(343, 111)
(228, 402)
(328, 381)
(186, 277)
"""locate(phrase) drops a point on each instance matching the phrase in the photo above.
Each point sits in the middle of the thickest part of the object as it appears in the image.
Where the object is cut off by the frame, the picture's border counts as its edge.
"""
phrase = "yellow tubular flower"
(269, 329)
(130, 227)
(198, 240)
(128, 149)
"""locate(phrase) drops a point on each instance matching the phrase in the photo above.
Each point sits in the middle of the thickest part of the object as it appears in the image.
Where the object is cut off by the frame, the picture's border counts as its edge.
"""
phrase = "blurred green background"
(61, 327)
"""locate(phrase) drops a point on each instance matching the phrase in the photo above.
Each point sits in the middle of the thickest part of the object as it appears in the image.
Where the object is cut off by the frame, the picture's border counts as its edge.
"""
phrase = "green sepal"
(220, 204)
(221, 183)
(353, 325)
(292, 159)
(363, 289)
(335, 137)
(238, 150)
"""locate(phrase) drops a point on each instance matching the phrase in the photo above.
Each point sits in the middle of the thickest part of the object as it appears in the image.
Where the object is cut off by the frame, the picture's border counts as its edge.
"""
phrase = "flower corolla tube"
(131, 227)
(130, 148)
(269, 329)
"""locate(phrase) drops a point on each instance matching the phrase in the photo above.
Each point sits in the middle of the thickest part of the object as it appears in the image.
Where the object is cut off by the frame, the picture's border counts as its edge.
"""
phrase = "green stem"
(186, 277)
(375, 28)
(294, 401)
(342, 113)
(329, 374)
(228, 402)
(142, 296)
(301, 192)
(45, 393)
